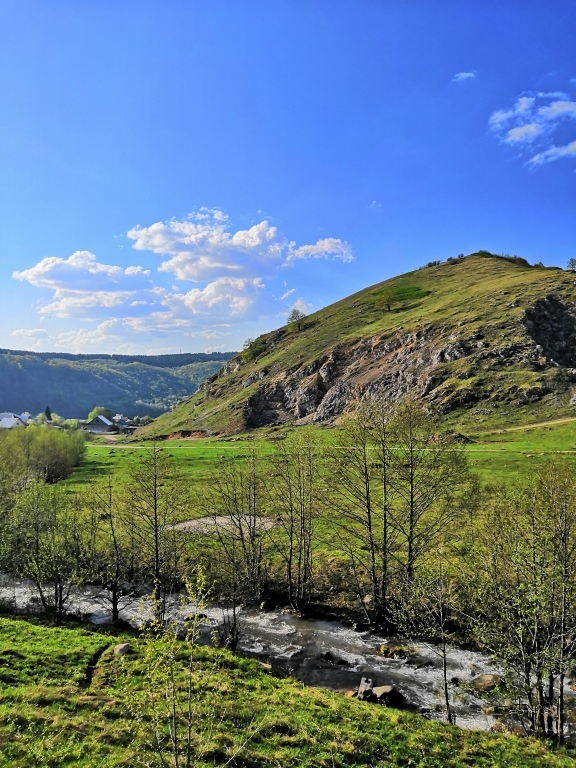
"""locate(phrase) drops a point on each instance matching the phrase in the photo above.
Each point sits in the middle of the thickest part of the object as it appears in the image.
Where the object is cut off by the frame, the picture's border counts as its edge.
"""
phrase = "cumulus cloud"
(460, 77)
(202, 247)
(80, 284)
(329, 247)
(224, 297)
(30, 333)
(81, 272)
(530, 125)
(228, 267)
(302, 306)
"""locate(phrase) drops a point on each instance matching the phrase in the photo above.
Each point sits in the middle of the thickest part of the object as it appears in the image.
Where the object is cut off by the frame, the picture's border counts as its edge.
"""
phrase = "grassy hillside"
(66, 699)
(71, 385)
(482, 339)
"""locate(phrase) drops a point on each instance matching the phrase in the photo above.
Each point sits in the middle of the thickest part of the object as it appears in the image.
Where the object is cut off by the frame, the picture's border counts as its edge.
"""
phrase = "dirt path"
(527, 426)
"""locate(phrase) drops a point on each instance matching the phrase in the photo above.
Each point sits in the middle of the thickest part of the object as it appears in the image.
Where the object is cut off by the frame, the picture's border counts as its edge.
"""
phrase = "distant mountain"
(71, 385)
(478, 338)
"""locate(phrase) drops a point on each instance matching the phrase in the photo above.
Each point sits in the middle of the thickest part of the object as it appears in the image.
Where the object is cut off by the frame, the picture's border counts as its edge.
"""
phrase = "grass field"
(500, 455)
(67, 700)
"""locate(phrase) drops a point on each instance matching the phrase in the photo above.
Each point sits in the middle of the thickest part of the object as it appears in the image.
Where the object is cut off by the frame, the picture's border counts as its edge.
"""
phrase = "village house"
(10, 420)
(100, 425)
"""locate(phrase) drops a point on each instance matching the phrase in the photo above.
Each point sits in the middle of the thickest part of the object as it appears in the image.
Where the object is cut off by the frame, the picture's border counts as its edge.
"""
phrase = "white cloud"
(225, 297)
(202, 247)
(126, 305)
(329, 247)
(526, 132)
(460, 77)
(531, 124)
(81, 271)
(84, 339)
(375, 204)
(81, 285)
(30, 333)
(554, 153)
(301, 305)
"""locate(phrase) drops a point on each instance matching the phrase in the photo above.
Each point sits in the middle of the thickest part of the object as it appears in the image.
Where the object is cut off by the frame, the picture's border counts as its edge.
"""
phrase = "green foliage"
(100, 410)
(295, 319)
(253, 348)
(481, 294)
(41, 451)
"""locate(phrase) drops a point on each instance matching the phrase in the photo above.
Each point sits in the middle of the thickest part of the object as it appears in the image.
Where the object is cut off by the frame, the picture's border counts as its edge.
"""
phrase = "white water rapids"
(320, 653)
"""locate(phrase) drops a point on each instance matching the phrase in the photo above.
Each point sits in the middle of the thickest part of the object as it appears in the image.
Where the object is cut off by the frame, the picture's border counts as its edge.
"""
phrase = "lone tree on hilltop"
(571, 266)
(388, 298)
(295, 319)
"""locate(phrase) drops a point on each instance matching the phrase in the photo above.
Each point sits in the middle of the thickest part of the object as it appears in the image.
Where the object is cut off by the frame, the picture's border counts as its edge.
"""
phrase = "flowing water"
(320, 653)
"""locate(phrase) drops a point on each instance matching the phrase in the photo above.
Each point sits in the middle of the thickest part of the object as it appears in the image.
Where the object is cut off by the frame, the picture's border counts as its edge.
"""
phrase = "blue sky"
(179, 174)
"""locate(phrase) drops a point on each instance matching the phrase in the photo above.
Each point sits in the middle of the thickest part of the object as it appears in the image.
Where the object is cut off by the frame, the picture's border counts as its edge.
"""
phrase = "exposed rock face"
(551, 323)
(447, 367)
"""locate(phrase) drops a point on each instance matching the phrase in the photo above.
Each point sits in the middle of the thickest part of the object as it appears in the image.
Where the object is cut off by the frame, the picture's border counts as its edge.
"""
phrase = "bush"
(44, 452)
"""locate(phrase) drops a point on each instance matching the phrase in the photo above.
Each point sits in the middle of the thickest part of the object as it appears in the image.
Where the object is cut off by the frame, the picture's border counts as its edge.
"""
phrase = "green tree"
(388, 299)
(252, 348)
(295, 319)
(100, 410)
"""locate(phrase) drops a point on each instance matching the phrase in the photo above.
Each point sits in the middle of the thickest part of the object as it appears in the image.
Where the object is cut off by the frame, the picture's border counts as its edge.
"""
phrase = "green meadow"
(498, 456)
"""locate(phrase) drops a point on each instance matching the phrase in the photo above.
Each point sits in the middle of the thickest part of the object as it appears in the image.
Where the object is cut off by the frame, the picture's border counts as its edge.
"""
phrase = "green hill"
(481, 337)
(71, 385)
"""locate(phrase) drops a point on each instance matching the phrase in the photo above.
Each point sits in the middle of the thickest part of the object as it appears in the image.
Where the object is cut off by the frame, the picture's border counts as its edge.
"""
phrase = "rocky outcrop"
(448, 367)
(551, 323)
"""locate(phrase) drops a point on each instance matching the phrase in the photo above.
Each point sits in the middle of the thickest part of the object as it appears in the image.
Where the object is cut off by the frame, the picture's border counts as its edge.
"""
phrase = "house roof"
(103, 419)
(10, 421)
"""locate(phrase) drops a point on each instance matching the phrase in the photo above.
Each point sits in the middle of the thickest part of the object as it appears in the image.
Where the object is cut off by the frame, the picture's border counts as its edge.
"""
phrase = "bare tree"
(296, 491)
(427, 472)
(362, 494)
(114, 551)
(50, 544)
(235, 498)
(152, 505)
(523, 581)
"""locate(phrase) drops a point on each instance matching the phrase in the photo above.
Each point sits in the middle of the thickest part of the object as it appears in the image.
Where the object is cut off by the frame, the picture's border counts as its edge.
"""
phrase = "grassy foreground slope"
(481, 338)
(66, 700)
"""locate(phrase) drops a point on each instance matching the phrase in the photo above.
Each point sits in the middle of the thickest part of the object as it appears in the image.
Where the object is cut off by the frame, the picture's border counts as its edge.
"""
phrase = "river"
(320, 653)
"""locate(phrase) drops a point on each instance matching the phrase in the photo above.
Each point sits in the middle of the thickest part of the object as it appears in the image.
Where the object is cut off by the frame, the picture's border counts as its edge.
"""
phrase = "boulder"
(485, 683)
(122, 649)
(388, 696)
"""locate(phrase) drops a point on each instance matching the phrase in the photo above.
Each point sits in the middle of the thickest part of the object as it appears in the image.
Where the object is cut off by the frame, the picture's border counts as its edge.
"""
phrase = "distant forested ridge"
(71, 385)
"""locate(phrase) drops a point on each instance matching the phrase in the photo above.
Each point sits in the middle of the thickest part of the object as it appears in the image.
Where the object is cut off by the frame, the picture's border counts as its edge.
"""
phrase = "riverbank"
(51, 715)
(321, 653)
